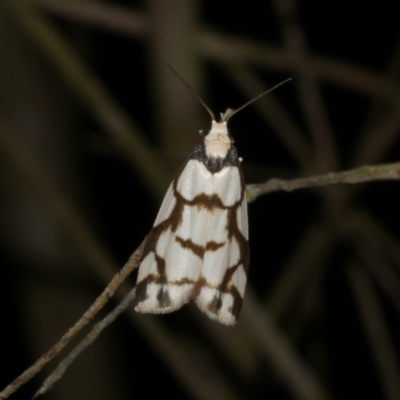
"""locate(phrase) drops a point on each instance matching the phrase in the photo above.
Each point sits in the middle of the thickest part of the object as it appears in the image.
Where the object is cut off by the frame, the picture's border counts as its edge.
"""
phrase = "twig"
(99, 303)
(86, 342)
(27, 168)
(168, 347)
(165, 344)
(358, 175)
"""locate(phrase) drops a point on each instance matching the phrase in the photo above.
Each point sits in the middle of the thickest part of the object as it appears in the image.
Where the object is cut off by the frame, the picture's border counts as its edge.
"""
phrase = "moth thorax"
(217, 143)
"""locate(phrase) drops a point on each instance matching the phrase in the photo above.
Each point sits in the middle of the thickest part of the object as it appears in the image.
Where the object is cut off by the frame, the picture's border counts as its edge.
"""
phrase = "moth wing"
(226, 258)
(172, 259)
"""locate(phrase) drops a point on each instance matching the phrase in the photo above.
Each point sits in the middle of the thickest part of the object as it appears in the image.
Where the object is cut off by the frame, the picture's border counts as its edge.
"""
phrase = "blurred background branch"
(87, 169)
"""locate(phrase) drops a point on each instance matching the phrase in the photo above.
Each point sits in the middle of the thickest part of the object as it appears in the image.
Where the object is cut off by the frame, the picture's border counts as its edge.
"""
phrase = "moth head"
(218, 142)
(219, 131)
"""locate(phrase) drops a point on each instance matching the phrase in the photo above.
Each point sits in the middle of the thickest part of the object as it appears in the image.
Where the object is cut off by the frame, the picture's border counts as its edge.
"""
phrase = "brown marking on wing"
(234, 232)
(196, 248)
(141, 290)
(215, 305)
(226, 287)
(214, 246)
(163, 298)
(162, 295)
(190, 245)
(237, 302)
(207, 202)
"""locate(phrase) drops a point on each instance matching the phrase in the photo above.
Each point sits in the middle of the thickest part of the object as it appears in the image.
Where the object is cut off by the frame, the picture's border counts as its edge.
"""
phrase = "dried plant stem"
(87, 341)
(24, 166)
(27, 168)
(99, 303)
(358, 175)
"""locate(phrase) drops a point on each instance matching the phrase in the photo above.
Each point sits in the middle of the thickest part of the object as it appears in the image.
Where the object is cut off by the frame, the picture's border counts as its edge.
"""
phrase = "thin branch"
(358, 175)
(99, 303)
(58, 373)
(173, 356)
(25, 167)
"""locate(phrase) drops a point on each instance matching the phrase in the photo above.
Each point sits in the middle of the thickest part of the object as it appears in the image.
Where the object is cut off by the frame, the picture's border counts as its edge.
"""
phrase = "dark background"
(80, 81)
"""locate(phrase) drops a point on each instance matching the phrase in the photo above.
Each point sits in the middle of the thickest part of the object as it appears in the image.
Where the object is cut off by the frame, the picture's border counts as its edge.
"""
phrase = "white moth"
(198, 247)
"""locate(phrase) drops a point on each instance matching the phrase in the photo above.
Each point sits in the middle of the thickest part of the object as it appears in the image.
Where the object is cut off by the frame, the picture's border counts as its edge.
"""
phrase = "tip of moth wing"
(154, 307)
(222, 317)
(164, 299)
(147, 308)
(219, 314)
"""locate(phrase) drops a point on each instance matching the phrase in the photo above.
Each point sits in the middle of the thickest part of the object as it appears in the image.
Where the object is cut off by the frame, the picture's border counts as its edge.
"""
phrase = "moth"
(198, 247)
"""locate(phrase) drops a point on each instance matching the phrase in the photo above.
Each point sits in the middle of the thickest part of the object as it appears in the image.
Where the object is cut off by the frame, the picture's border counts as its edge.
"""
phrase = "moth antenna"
(229, 112)
(193, 91)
